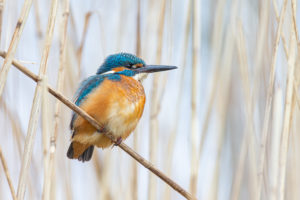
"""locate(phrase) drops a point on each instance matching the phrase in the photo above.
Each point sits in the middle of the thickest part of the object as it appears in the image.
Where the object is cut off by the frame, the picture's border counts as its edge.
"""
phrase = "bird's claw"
(118, 141)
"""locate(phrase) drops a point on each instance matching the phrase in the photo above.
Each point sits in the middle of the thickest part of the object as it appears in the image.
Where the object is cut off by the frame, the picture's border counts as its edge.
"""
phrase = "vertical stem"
(155, 106)
(60, 83)
(83, 39)
(194, 88)
(2, 2)
(275, 144)
(37, 18)
(135, 137)
(47, 128)
(174, 132)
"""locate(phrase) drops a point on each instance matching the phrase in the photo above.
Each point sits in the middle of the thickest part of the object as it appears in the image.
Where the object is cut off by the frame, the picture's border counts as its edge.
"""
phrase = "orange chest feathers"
(117, 105)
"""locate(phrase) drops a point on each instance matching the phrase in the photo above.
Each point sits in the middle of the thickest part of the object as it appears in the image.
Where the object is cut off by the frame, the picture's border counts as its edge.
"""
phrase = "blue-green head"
(129, 64)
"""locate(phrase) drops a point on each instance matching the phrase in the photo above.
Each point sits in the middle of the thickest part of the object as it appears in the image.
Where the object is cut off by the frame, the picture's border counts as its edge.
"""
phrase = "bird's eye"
(127, 65)
(134, 66)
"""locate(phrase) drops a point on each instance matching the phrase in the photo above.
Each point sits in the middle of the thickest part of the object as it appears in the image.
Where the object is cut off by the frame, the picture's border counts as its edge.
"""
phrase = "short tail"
(79, 151)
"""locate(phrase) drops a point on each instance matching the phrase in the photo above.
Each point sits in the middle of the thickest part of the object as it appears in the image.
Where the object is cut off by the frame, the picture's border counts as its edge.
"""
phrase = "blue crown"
(118, 60)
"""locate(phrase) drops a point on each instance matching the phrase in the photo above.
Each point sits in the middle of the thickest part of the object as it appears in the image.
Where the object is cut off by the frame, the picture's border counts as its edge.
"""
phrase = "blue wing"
(85, 88)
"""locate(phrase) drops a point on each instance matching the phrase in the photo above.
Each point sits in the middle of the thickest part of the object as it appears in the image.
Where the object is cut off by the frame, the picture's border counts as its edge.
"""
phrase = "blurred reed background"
(225, 125)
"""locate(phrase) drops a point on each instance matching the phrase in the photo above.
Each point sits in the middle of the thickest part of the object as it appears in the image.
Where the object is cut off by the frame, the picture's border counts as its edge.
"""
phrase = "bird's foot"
(102, 130)
(118, 142)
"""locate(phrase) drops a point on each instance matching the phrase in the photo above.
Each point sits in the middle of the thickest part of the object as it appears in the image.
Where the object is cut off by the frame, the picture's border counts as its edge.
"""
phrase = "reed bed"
(222, 126)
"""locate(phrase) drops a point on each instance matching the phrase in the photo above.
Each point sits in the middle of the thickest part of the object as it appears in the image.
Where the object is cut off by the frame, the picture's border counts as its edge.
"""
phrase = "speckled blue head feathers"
(119, 60)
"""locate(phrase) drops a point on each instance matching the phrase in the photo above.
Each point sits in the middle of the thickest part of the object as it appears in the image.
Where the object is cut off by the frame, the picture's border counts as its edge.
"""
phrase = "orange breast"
(117, 105)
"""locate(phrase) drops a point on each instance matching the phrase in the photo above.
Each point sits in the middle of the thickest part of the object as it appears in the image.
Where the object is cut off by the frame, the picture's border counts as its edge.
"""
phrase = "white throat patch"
(140, 76)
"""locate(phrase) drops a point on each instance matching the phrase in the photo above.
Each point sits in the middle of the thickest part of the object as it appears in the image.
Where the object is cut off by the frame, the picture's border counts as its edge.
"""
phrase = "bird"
(115, 98)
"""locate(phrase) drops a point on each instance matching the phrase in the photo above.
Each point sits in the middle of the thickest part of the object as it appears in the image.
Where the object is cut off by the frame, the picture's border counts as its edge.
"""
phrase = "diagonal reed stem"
(287, 116)
(35, 110)
(269, 102)
(5, 168)
(94, 123)
(14, 43)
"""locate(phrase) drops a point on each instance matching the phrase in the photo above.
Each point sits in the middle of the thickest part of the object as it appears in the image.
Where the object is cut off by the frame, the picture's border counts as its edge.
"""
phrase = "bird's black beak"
(154, 68)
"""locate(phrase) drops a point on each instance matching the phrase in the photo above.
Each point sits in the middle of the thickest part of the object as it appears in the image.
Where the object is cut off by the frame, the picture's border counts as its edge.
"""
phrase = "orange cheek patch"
(118, 69)
(139, 65)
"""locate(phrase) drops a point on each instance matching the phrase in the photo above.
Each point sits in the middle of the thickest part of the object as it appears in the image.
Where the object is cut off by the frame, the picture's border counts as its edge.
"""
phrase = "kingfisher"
(115, 98)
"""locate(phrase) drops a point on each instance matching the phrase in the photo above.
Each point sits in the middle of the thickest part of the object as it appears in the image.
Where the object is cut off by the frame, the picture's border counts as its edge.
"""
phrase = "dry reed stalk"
(295, 194)
(294, 7)
(7, 174)
(47, 128)
(249, 129)
(216, 43)
(285, 48)
(14, 43)
(194, 88)
(83, 39)
(68, 180)
(222, 105)
(2, 2)
(35, 110)
(29, 144)
(123, 13)
(278, 19)
(15, 124)
(103, 173)
(134, 180)
(262, 30)
(291, 186)
(154, 106)
(37, 19)
(18, 135)
(287, 116)
(237, 180)
(94, 123)
(60, 81)
(174, 132)
(222, 108)
(275, 143)
(266, 120)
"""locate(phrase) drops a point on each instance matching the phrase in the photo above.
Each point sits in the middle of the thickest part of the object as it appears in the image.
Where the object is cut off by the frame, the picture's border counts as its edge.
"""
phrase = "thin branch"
(94, 123)
(11, 187)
